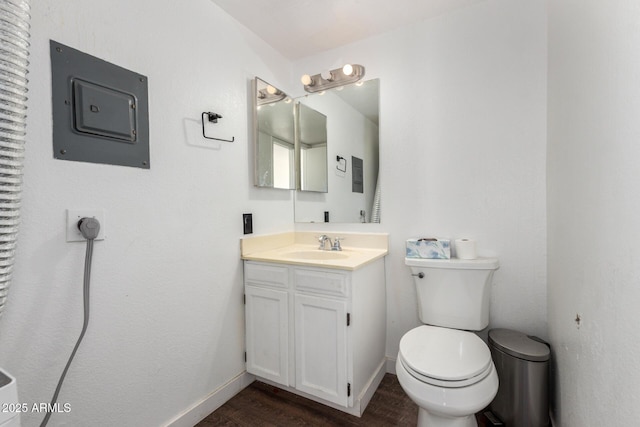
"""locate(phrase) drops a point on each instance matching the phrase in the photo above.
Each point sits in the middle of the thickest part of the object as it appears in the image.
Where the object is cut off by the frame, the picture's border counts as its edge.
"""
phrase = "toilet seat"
(444, 357)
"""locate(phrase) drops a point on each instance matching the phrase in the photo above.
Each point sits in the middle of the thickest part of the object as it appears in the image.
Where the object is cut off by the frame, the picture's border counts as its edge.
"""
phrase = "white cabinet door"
(321, 347)
(267, 326)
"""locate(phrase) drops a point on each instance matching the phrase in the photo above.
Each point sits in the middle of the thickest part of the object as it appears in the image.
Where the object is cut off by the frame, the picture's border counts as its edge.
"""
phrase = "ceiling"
(299, 28)
(363, 98)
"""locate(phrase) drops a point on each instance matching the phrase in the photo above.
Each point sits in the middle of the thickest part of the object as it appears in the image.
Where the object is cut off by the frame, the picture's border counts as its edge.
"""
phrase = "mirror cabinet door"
(274, 137)
(352, 155)
(311, 148)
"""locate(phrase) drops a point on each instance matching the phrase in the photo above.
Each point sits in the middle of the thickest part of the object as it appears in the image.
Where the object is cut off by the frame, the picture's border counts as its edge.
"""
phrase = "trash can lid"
(519, 345)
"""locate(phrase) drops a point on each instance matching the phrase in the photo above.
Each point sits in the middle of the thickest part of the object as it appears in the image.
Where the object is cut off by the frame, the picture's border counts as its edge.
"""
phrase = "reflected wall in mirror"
(311, 148)
(352, 116)
(274, 137)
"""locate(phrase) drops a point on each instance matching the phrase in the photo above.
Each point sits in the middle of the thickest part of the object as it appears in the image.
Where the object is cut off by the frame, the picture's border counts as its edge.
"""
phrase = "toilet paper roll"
(466, 249)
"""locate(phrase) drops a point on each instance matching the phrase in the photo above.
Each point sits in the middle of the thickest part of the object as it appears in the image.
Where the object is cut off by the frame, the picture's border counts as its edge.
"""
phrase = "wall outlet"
(247, 223)
(75, 215)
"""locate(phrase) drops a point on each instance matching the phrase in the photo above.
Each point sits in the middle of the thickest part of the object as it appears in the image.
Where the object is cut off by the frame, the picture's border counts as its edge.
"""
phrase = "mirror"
(336, 154)
(274, 137)
(352, 153)
(311, 148)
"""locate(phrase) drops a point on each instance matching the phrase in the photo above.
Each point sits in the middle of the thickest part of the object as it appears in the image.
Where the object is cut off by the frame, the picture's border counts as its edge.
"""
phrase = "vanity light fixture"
(327, 75)
(307, 80)
(270, 95)
(271, 90)
(348, 74)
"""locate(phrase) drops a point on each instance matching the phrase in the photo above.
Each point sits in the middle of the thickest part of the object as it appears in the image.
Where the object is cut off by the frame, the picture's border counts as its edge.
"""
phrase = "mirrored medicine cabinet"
(323, 145)
(274, 135)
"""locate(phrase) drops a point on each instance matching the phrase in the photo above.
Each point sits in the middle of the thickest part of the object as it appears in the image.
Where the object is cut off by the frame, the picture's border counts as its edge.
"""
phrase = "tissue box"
(429, 248)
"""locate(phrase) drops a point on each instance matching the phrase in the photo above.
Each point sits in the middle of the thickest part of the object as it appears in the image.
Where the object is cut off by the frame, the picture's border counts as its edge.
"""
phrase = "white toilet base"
(425, 419)
(454, 407)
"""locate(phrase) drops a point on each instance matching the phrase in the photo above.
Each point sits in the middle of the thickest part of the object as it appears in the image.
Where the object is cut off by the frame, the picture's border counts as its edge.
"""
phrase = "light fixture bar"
(265, 97)
(348, 74)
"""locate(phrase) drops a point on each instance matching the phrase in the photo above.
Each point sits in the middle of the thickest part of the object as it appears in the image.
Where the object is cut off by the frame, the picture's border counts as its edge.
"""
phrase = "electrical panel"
(357, 175)
(100, 110)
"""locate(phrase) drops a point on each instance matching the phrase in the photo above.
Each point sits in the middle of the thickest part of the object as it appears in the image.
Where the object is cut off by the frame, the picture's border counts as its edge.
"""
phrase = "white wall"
(462, 154)
(167, 323)
(462, 148)
(593, 210)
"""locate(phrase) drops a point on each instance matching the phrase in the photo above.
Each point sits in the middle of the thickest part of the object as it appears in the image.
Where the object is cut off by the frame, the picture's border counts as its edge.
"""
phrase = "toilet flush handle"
(420, 275)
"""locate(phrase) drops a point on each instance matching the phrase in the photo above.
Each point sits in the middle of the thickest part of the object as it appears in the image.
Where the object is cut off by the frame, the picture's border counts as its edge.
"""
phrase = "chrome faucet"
(335, 246)
(323, 239)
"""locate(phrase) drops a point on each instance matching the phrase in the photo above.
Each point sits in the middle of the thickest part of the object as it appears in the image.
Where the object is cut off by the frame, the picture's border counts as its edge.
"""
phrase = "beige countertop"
(301, 248)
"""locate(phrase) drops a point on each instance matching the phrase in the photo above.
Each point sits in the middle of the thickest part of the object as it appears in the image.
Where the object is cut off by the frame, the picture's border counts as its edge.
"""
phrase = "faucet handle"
(336, 244)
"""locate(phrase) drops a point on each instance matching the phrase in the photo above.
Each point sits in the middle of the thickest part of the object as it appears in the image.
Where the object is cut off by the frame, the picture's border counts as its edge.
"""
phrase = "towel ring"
(213, 118)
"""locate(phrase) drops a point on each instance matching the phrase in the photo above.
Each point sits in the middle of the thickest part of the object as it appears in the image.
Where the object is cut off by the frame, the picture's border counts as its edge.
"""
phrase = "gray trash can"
(522, 364)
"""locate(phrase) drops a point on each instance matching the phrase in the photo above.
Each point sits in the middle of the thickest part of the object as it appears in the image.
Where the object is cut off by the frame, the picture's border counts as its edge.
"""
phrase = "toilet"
(442, 366)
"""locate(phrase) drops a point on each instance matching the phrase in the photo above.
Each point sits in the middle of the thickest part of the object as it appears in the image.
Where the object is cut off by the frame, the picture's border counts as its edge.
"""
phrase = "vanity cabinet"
(266, 296)
(317, 332)
(321, 324)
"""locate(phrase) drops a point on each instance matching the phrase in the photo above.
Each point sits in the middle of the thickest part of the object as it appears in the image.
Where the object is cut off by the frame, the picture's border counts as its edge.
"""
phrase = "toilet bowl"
(448, 373)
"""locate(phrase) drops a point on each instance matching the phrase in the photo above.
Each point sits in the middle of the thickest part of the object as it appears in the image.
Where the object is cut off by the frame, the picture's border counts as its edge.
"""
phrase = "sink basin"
(316, 255)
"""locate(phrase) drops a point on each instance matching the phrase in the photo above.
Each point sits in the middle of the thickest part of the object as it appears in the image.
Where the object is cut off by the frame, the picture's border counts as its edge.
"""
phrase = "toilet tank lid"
(460, 264)
(520, 345)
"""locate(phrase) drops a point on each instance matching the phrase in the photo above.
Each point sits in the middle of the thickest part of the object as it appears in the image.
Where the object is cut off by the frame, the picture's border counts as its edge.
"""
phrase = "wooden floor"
(264, 405)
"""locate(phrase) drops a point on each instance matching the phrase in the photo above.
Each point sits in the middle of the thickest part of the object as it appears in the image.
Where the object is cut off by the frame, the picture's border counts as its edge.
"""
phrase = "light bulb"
(306, 80)
(287, 100)
(272, 90)
(327, 75)
(347, 70)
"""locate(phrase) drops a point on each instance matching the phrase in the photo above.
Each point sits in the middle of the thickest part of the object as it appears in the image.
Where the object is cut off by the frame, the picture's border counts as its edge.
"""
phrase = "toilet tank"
(453, 293)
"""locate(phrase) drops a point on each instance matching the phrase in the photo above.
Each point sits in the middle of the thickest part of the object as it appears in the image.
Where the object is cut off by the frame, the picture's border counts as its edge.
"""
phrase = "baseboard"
(360, 402)
(371, 387)
(213, 401)
(391, 365)
(222, 394)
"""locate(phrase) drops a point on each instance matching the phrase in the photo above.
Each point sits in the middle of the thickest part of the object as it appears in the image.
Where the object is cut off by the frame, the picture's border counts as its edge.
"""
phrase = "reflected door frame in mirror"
(311, 149)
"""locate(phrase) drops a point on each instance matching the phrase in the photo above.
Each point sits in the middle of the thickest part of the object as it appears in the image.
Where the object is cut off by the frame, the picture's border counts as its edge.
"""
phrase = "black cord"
(87, 280)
